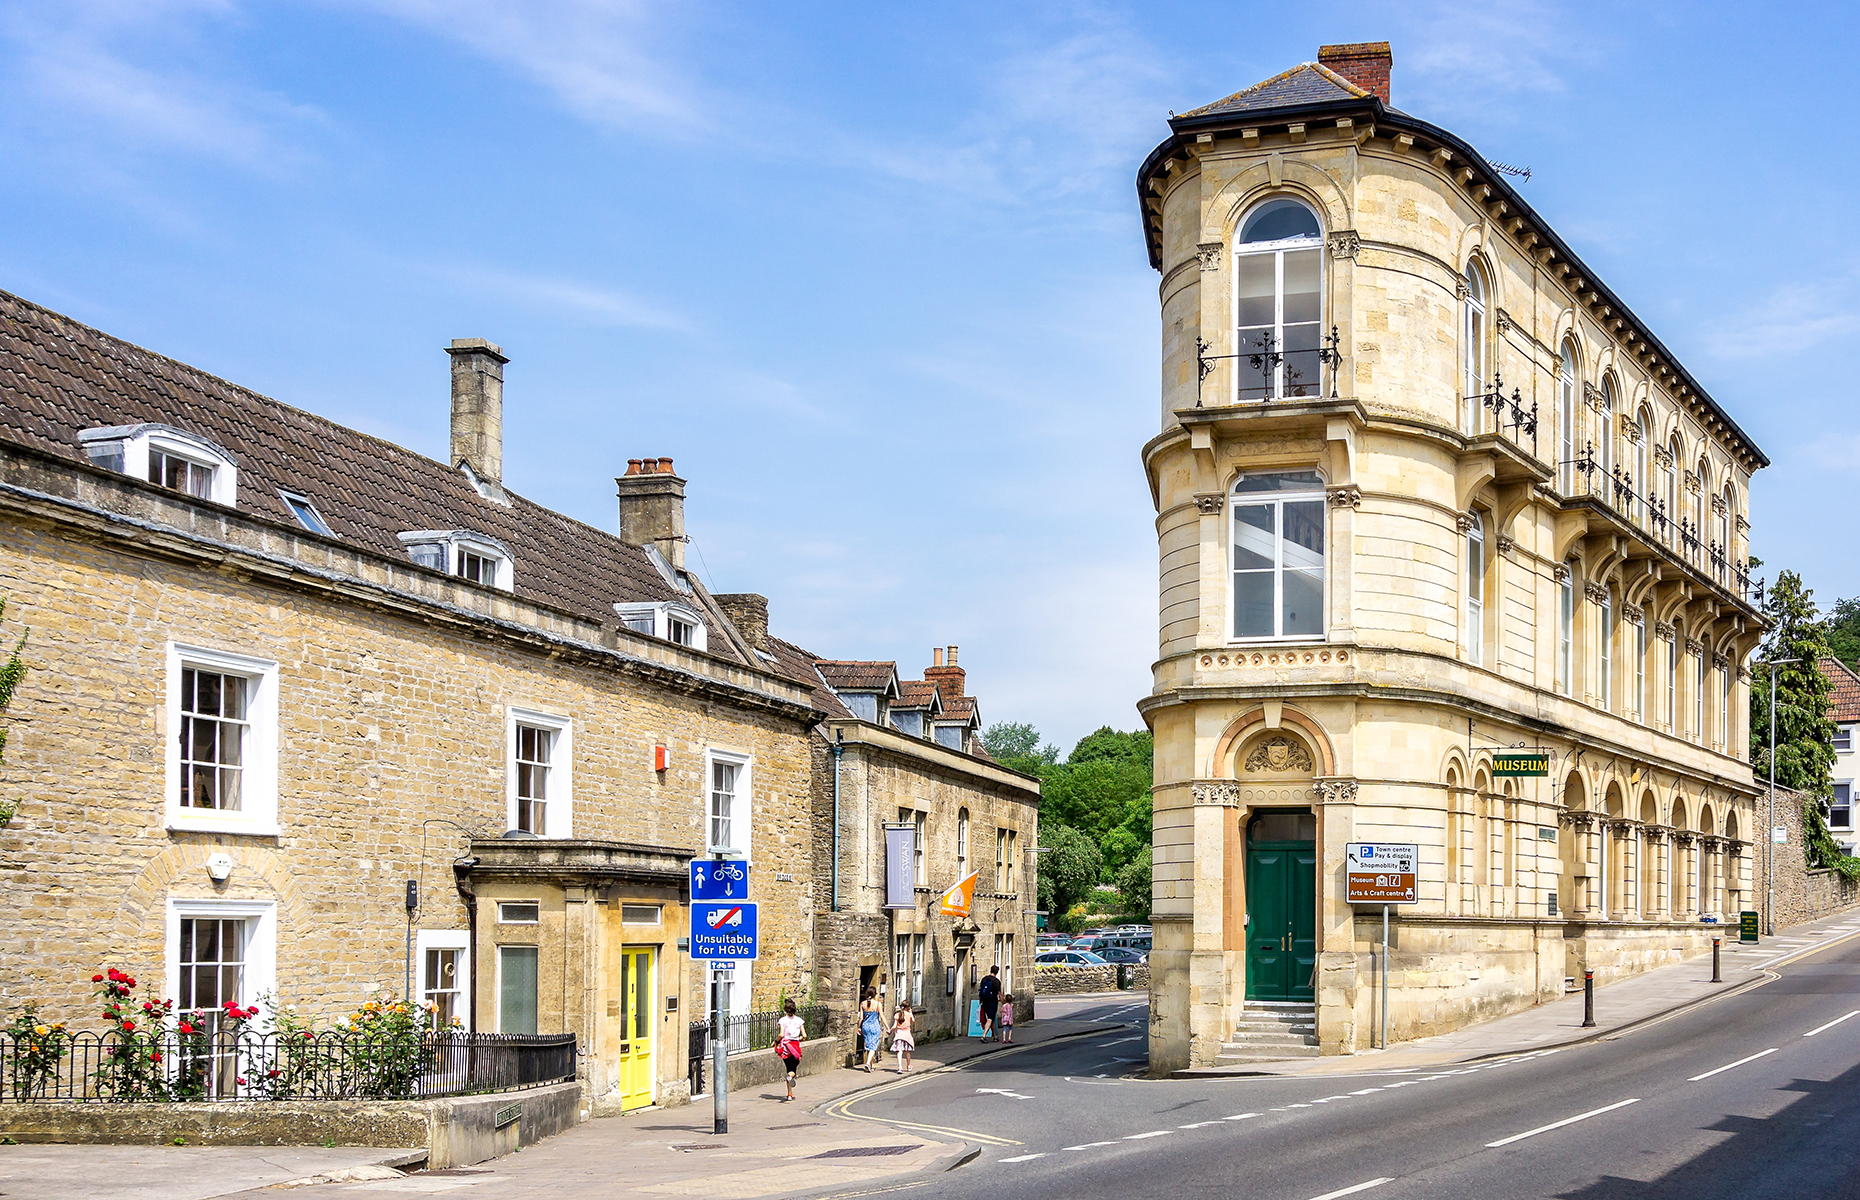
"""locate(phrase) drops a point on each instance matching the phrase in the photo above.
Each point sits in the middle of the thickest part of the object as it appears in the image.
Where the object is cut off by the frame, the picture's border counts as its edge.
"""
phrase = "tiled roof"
(1306, 83)
(858, 676)
(59, 377)
(797, 663)
(917, 693)
(959, 708)
(1845, 700)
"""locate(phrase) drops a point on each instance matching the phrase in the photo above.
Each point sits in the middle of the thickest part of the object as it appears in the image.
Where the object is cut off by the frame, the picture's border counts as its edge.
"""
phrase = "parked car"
(1132, 931)
(1088, 942)
(1119, 956)
(1067, 958)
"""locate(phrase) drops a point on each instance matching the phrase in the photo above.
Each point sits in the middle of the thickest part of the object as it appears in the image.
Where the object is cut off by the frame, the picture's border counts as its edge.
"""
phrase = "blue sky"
(872, 274)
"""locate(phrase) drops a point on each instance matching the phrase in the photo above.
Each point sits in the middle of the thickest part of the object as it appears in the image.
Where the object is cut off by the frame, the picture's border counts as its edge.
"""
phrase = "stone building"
(1426, 490)
(281, 671)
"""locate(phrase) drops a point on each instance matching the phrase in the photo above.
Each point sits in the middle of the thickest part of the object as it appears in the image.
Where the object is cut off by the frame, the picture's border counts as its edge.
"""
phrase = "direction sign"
(719, 879)
(723, 930)
(1381, 872)
(1747, 925)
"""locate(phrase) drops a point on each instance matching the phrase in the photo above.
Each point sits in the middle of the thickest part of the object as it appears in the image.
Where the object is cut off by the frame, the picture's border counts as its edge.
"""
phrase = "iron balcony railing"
(745, 1031)
(273, 1066)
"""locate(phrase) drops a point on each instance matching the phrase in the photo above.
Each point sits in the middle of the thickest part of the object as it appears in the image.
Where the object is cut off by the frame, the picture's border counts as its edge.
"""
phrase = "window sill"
(185, 822)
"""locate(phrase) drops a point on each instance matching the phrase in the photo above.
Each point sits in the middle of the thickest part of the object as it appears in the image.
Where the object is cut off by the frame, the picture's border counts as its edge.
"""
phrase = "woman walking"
(791, 1030)
(871, 1028)
(901, 1039)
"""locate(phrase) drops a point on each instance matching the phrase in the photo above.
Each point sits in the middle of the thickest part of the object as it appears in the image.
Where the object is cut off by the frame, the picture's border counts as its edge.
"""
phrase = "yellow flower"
(41, 1030)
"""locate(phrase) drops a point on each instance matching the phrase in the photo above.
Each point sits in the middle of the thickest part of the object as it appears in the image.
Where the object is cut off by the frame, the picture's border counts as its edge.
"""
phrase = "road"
(1747, 1096)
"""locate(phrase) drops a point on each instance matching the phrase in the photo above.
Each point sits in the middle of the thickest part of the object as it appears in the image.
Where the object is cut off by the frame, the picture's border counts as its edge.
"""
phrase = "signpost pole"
(719, 1054)
(1385, 977)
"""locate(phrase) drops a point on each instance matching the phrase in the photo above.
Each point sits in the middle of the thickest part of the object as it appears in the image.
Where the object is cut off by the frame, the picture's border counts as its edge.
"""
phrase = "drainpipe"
(838, 746)
(461, 879)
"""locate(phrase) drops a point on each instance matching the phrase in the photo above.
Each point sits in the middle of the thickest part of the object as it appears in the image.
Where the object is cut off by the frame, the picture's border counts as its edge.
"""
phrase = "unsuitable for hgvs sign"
(723, 930)
(1381, 872)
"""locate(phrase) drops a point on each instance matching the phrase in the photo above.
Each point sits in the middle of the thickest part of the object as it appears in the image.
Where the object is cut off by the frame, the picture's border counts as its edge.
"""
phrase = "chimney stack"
(478, 408)
(652, 508)
(750, 614)
(1365, 64)
(949, 678)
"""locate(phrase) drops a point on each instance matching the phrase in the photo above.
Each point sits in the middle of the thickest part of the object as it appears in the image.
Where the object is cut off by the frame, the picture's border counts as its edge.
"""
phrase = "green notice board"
(1523, 764)
(1747, 926)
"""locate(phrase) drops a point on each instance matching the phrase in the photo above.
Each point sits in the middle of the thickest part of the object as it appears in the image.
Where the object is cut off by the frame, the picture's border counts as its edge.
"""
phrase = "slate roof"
(843, 676)
(1306, 83)
(1844, 702)
(59, 377)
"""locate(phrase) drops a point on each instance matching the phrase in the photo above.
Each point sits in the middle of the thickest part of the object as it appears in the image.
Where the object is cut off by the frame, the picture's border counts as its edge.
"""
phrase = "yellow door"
(636, 1028)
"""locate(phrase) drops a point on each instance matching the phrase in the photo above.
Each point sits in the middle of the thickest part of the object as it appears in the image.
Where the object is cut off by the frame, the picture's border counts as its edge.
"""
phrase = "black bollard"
(1588, 999)
(1716, 975)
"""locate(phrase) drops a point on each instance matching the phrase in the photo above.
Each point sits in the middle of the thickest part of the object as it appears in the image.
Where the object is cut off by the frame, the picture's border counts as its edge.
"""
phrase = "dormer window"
(677, 623)
(172, 458)
(306, 513)
(461, 552)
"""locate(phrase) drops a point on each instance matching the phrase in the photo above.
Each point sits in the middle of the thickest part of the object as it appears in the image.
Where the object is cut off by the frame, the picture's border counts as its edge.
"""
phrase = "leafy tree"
(1133, 885)
(1016, 746)
(1844, 631)
(1804, 728)
(11, 673)
(1069, 870)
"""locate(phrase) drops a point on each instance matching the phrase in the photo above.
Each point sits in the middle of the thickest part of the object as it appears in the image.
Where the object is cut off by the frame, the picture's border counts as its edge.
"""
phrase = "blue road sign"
(723, 930)
(719, 879)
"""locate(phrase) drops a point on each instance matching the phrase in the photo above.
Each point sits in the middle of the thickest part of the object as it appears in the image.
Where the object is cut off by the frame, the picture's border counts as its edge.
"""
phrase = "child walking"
(901, 1039)
(1005, 1023)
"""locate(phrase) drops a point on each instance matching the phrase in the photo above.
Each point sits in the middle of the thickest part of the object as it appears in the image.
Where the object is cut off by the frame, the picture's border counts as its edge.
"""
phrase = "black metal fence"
(747, 1031)
(248, 1066)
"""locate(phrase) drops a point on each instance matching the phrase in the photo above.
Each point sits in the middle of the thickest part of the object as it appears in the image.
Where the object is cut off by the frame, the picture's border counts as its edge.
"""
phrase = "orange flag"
(956, 901)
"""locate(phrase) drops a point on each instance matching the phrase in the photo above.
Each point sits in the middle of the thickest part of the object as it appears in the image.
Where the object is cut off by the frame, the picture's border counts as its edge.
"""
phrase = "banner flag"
(956, 901)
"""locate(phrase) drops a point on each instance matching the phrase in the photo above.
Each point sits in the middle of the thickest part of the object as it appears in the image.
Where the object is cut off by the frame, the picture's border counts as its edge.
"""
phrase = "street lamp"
(1769, 850)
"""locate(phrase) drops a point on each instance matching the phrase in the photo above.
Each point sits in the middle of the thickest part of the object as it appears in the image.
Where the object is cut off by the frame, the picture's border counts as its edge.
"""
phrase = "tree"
(11, 673)
(1133, 885)
(1069, 870)
(1804, 728)
(1016, 746)
(1844, 631)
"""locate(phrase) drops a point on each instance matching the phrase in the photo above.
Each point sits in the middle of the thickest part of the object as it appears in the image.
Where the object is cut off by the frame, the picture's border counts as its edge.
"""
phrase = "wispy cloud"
(602, 60)
(1792, 318)
(106, 71)
(590, 303)
(1464, 50)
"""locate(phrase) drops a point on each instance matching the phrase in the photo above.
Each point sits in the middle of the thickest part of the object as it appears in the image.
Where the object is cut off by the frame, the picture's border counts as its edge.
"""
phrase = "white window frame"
(444, 939)
(292, 500)
(130, 446)
(1698, 699)
(1277, 501)
(261, 944)
(962, 843)
(1566, 372)
(1843, 739)
(1606, 442)
(1672, 684)
(1605, 680)
(661, 615)
(1473, 348)
(741, 822)
(497, 986)
(1849, 806)
(1278, 250)
(1640, 670)
(454, 540)
(921, 835)
(559, 816)
(1566, 633)
(258, 789)
(1475, 590)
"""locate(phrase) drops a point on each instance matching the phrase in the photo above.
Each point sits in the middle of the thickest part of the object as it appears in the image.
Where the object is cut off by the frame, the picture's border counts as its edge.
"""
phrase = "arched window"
(962, 845)
(1639, 482)
(1674, 456)
(1566, 416)
(1278, 302)
(1606, 681)
(1566, 631)
(1472, 351)
(1603, 484)
(1698, 697)
(1723, 534)
(1278, 555)
(1672, 680)
(1639, 699)
(1700, 505)
(1475, 590)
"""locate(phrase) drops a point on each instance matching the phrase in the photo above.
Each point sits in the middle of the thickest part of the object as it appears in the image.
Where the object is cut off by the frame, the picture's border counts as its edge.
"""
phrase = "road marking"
(1008, 1092)
(1328, 1099)
(1351, 1191)
(1239, 1116)
(1366, 1091)
(1198, 1124)
(1089, 1145)
(1024, 1157)
(1298, 1106)
(1832, 1024)
(1740, 1062)
(1594, 1112)
(1137, 1137)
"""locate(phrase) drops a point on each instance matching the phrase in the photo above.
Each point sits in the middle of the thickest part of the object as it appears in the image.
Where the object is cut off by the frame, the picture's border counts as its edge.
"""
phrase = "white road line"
(1351, 1191)
(1328, 1099)
(1023, 1158)
(1366, 1091)
(1594, 1112)
(1832, 1024)
(1089, 1145)
(1198, 1124)
(1239, 1116)
(1137, 1137)
(1740, 1062)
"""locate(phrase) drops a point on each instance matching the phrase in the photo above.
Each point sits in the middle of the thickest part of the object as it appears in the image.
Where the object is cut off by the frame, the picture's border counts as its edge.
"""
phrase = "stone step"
(1303, 1030)
(1238, 1055)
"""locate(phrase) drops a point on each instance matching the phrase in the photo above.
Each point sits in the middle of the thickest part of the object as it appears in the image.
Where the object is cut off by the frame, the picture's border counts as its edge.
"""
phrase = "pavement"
(1620, 1005)
(773, 1148)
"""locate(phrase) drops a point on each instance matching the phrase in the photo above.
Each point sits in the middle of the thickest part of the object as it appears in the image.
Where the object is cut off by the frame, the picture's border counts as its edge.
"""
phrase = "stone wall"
(1801, 894)
(1059, 981)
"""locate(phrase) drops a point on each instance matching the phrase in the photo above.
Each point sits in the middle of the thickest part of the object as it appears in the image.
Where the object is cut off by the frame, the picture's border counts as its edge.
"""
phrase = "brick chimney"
(652, 507)
(949, 678)
(1365, 64)
(478, 408)
(750, 614)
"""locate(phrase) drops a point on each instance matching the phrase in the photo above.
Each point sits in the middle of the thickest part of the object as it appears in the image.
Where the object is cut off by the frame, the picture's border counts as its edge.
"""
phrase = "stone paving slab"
(39, 1172)
(1625, 1002)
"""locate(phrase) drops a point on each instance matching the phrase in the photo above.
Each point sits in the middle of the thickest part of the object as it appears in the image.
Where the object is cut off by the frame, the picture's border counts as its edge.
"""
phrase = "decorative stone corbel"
(1592, 396)
(1210, 503)
(1210, 255)
(1506, 545)
(1461, 290)
(1224, 793)
(1633, 614)
(1594, 592)
(1560, 572)
(1662, 457)
(1683, 838)
(1579, 821)
(1344, 244)
(1692, 482)
(1335, 791)
(1465, 521)
(1717, 505)
(1349, 496)
(1664, 629)
(1503, 320)
(1720, 662)
(1694, 646)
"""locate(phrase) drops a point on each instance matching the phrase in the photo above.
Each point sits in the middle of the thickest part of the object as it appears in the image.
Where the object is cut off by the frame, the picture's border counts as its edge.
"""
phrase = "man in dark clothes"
(990, 996)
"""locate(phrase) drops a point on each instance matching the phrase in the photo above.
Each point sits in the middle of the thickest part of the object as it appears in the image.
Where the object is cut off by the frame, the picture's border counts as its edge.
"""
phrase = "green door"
(1281, 894)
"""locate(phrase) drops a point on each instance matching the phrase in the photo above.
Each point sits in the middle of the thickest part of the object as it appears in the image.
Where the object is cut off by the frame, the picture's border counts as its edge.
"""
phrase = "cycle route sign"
(719, 879)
